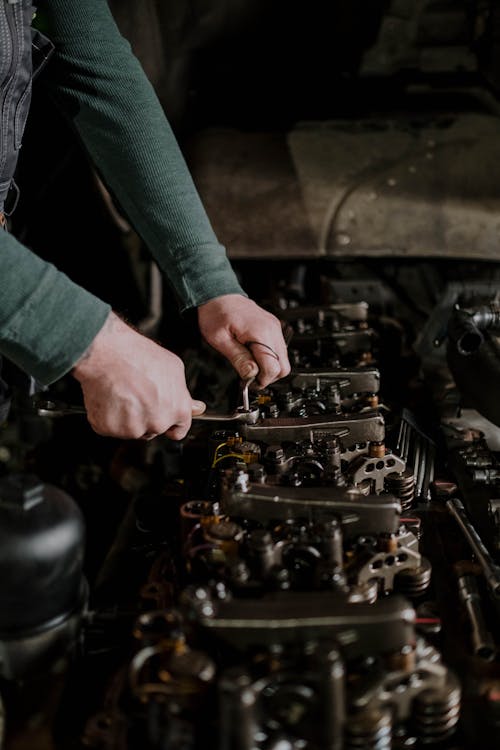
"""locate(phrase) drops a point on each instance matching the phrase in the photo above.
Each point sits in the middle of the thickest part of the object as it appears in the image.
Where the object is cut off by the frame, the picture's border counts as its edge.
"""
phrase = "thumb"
(197, 407)
(239, 356)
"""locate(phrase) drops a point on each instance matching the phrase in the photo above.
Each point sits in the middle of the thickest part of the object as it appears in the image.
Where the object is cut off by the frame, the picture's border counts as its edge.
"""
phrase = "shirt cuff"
(53, 327)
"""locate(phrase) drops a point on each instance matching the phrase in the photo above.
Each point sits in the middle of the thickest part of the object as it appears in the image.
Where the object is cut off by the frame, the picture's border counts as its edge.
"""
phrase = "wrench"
(48, 408)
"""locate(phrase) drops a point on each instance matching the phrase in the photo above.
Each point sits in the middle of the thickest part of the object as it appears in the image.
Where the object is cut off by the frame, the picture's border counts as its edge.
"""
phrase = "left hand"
(248, 336)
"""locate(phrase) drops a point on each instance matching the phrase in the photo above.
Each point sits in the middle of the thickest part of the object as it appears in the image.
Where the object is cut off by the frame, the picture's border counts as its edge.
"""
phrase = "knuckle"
(286, 369)
(133, 432)
(218, 337)
(98, 427)
(177, 433)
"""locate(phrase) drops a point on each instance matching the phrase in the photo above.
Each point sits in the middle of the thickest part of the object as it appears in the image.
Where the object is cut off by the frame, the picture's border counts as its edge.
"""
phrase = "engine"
(321, 575)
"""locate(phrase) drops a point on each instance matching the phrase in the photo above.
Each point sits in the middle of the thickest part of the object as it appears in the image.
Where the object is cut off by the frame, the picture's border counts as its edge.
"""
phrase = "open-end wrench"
(48, 408)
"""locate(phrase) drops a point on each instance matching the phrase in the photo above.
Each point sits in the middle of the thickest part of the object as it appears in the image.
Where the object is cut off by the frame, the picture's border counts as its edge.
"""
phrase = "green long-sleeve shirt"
(46, 321)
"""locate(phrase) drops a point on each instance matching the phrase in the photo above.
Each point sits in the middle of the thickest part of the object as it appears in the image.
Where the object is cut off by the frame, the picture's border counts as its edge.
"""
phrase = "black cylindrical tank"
(42, 538)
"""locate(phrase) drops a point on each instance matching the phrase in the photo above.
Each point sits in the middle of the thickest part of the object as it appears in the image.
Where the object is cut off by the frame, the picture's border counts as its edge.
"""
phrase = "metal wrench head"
(47, 408)
(243, 413)
(240, 415)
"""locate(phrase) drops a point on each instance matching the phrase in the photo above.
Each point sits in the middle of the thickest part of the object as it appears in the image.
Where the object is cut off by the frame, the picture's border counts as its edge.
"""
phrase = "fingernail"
(198, 407)
(250, 368)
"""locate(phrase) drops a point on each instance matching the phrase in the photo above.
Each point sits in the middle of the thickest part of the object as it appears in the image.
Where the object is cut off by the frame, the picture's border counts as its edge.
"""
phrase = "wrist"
(91, 359)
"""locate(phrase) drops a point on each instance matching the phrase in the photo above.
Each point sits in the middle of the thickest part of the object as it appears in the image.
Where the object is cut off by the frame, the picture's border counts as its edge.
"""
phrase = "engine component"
(482, 641)
(473, 356)
(490, 569)
(358, 513)
(42, 590)
(354, 429)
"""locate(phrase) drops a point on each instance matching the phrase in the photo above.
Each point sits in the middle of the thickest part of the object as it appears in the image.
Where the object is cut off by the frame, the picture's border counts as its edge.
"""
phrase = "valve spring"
(437, 711)
(402, 486)
(369, 730)
(413, 582)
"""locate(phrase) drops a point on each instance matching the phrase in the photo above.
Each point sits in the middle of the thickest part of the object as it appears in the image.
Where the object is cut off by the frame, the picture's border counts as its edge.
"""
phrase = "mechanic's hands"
(231, 321)
(132, 387)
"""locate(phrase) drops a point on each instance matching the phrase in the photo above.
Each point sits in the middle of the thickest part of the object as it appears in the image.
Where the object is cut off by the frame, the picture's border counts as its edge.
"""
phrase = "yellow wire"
(221, 445)
(227, 455)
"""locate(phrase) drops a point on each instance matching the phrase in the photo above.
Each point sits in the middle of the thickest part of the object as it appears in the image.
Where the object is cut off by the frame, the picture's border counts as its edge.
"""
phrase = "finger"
(178, 431)
(198, 407)
(269, 367)
(269, 362)
(269, 372)
(239, 356)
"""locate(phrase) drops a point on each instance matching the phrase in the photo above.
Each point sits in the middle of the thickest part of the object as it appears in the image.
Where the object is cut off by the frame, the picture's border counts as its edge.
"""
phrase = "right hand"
(132, 387)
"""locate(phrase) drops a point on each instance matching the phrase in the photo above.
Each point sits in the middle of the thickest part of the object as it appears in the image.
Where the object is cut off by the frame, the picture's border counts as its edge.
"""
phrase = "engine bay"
(320, 573)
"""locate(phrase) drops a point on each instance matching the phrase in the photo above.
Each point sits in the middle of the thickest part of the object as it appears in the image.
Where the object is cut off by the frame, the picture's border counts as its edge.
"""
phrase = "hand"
(132, 387)
(231, 321)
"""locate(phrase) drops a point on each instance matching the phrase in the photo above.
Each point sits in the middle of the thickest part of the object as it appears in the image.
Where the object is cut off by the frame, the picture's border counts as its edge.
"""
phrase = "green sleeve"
(104, 90)
(46, 321)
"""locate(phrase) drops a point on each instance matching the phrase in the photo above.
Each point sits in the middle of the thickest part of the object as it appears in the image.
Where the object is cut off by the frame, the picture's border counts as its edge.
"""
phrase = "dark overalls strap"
(15, 86)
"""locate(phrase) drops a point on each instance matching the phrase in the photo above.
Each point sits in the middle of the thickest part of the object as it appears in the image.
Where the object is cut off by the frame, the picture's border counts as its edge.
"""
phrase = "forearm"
(104, 90)
(46, 321)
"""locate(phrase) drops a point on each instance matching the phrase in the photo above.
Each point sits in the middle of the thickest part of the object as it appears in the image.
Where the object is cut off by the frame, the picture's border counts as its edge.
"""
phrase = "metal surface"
(359, 380)
(490, 569)
(401, 188)
(358, 513)
(419, 452)
(483, 644)
(425, 36)
(48, 408)
(382, 626)
(361, 428)
(244, 414)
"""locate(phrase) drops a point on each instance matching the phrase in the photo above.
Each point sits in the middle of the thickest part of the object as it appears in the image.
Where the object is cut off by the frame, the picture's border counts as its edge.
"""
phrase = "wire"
(221, 445)
(266, 346)
(227, 455)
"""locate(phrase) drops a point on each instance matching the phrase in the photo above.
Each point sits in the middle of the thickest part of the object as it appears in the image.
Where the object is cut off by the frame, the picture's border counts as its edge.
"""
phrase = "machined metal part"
(482, 641)
(490, 569)
(355, 312)
(362, 428)
(494, 512)
(358, 513)
(295, 617)
(375, 469)
(352, 380)
(384, 566)
(409, 691)
(370, 729)
(280, 697)
(242, 415)
(49, 408)
(345, 339)
(419, 453)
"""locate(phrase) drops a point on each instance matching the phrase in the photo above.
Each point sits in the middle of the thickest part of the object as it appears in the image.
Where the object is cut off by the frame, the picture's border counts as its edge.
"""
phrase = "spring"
(369, 730)
(413, 582)
(437, 711)
(402, 486)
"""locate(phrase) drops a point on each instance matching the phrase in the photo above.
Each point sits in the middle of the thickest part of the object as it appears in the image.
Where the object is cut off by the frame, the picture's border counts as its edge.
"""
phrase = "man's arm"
(103, 89)
(46, 321)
